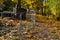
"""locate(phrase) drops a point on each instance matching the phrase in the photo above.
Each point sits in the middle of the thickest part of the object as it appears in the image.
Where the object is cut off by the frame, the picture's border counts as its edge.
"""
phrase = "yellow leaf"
(30, 6)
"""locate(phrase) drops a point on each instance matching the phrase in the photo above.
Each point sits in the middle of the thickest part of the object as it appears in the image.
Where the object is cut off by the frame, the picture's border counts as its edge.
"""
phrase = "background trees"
(44, 7)
(9, 4)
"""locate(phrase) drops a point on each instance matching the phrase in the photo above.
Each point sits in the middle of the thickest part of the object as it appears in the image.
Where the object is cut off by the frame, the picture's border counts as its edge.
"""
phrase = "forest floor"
(45, 28)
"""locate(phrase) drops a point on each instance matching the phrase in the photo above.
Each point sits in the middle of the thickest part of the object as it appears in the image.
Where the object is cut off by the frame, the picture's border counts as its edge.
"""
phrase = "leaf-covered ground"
(44, 29)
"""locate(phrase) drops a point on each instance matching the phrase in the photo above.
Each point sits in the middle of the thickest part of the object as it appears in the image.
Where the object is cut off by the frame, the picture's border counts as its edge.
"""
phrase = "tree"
(28, 4)
(53, 6)
(8, 5)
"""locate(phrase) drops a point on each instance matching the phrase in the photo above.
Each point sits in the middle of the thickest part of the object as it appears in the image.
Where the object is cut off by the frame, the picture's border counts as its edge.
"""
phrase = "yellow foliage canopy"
(15, 1)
